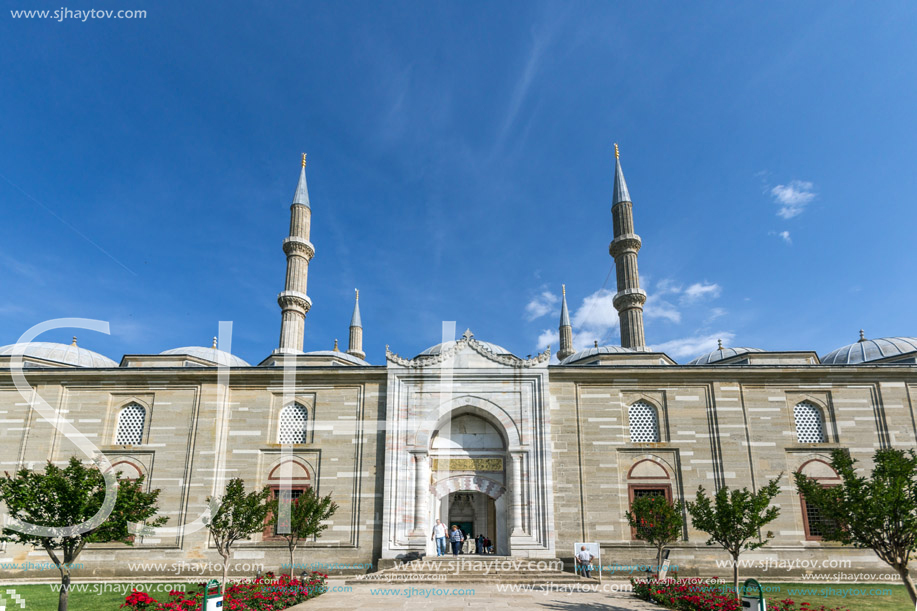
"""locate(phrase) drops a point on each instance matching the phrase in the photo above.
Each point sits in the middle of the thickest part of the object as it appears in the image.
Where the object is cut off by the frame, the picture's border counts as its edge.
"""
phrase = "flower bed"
(705, 595)
(263, 594)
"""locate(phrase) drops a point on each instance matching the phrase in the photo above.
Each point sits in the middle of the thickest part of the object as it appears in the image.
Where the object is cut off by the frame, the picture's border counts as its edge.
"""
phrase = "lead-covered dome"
(595, 351)
(214, 355)
(59, 353)
(867, 350)
(438, 348)
(721, 354)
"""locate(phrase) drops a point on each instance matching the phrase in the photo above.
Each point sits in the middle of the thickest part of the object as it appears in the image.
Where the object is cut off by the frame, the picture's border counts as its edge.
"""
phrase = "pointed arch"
(293, 424)
(810, 422)
(643, 421)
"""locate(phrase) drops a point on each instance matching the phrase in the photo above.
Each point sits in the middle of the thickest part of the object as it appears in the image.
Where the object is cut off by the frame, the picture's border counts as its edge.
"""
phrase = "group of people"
(460, 541)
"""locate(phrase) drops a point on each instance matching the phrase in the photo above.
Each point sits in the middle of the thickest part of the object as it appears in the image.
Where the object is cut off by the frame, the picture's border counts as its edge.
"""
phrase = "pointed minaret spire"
(566, 330)
(294, 303)
(624, 247)
(355, 345)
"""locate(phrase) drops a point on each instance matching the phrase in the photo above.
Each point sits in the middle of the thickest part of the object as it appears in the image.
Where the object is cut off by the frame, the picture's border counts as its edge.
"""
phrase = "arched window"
(293, 420)
(810, 424)
(644, 423)
(130, 425)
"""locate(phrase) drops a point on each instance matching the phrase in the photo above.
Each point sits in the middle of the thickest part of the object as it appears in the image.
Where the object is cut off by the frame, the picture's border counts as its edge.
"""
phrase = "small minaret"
(566, 331)
(294, 303)
(355, 345)
(630, 297)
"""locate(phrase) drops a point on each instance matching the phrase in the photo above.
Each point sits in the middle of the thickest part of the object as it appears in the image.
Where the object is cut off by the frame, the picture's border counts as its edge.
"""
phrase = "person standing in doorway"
(584, 560)
(456, 538)
(479, 544)
(439, 537)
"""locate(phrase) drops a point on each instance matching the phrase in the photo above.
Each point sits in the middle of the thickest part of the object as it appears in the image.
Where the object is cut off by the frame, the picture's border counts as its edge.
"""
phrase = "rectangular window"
(270, 530)
(813, 520)
(636, 491)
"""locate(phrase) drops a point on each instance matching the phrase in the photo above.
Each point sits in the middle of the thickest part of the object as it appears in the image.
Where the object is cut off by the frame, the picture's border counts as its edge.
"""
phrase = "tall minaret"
(566, 330)
(630, 297)
(355, 345)
(294, 303)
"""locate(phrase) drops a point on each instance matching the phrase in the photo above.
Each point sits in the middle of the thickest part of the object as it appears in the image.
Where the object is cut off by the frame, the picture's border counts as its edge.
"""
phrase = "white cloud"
(699, 291)
(714, 314)
(548, 337)
(597, 312)
(540, 305)
(659, 308)
(785, 236)
(693, 346)
(793, 197)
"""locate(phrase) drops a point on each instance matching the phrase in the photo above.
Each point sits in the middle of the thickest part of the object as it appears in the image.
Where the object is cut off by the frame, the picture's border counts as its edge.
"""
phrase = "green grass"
(856, 597)
(96, 597)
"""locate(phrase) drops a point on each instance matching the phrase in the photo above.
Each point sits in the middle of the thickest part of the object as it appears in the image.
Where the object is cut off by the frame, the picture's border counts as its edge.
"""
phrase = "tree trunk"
(292, 549)
(658, 562)
(735, 577)
(908, 583)
(64, 597)
(225, 572)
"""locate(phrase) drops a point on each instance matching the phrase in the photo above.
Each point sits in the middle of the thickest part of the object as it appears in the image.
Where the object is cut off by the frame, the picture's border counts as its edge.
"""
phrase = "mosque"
(536, 454)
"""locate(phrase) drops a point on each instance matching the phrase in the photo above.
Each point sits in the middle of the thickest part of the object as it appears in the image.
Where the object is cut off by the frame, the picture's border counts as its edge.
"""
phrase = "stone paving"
(475, 596)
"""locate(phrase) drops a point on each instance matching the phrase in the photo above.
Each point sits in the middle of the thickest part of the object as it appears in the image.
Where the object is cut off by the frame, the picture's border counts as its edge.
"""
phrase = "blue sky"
(460, 168)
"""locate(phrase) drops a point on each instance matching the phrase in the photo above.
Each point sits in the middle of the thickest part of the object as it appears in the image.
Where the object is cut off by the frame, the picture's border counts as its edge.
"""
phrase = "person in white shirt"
(584, 560)
(439, 537)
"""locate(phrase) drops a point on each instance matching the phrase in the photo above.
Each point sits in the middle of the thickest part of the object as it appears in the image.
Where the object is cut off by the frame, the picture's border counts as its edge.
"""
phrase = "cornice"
(468, 341)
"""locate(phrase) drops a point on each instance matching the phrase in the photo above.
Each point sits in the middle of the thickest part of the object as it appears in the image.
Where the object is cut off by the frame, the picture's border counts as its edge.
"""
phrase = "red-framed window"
(270, 530)
(636, 491)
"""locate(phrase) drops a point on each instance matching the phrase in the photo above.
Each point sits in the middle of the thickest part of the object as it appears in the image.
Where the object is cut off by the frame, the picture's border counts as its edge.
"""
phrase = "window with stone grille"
(814, 521)
(293, 420)
(810, 424)
(644, 423)
(130, 425)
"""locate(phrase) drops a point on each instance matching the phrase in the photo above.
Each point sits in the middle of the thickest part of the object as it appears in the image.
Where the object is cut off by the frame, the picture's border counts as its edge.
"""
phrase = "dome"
(60, 353)
(595, 351)
(867, 350)
(214, 355)
(721, 354)
(438, 348)
(337, 354)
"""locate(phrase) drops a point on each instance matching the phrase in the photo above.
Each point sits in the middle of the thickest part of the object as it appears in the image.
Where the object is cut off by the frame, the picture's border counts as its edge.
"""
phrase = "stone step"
(474, 569)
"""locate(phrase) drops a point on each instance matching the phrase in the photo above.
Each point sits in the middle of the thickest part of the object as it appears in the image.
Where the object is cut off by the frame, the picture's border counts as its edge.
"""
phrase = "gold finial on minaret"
(563, 289)
(617, 153)
(303, 160)
(357, 291)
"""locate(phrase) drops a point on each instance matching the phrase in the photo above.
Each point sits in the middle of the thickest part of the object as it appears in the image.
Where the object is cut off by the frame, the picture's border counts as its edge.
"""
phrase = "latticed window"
(293, 420)
(130, 425)
(644, 423)
(810, 425)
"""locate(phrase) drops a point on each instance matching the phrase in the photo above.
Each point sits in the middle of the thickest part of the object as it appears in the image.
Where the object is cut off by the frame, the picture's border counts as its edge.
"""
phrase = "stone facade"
(535, 456)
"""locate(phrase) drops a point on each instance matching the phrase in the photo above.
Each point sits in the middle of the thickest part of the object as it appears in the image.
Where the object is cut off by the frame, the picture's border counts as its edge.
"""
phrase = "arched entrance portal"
(468, 469)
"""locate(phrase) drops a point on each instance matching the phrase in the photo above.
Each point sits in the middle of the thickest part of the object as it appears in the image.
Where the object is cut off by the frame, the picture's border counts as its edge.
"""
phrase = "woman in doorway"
(479, 545)
(456, 538)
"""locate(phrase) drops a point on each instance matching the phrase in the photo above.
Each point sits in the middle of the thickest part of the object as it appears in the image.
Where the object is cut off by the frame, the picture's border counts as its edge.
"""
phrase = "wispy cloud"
(692, 346)
(699, 291)
(659, 308)
(594, 320)
(793, 197)
(540, 305)
(785, 236)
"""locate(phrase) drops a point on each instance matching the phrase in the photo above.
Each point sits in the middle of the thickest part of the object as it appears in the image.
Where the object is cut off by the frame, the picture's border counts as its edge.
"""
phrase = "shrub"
(261, 594)
(705, 595)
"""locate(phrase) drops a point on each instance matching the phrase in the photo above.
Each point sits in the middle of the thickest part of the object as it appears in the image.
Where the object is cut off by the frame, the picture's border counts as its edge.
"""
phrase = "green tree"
(656, 521)
(877, 512)
(66, 500)
(734, 519)
(235, 516)
(305, 518)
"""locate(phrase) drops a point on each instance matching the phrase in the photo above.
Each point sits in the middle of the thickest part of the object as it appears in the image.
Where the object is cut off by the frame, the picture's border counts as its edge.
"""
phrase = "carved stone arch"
(818, 469)
(124, 421)
(302, 471)
(469, 404)
(474, 483)
(129, 468)
(651, 462)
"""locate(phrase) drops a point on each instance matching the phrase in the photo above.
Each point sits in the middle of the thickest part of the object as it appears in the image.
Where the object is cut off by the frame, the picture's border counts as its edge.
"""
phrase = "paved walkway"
(457, 596)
